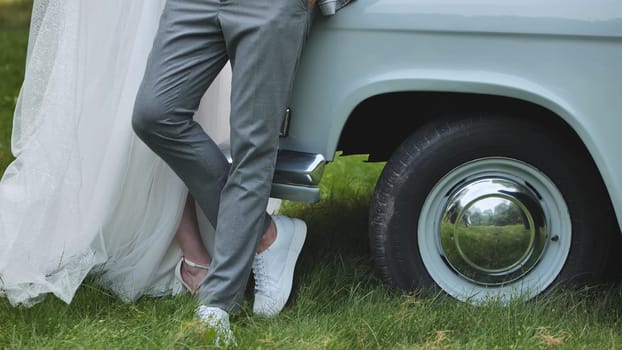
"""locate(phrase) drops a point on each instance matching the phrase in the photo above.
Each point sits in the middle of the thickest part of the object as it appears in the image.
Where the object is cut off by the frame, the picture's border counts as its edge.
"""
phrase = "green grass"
(14, 13)
(338, 303)
(12, 55)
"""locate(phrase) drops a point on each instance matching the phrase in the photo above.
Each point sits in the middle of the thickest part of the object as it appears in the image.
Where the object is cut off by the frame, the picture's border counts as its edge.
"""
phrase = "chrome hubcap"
(494, 227)
(493, 230)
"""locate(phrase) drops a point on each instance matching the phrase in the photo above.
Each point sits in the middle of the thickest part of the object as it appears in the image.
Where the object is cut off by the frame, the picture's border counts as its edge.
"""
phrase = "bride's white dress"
(84, 194)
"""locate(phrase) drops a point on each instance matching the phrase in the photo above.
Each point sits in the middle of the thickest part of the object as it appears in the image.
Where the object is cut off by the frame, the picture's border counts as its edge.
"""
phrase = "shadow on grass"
(338, 224)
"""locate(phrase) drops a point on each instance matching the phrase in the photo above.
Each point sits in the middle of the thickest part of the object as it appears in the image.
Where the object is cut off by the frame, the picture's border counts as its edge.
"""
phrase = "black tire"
(435, 150)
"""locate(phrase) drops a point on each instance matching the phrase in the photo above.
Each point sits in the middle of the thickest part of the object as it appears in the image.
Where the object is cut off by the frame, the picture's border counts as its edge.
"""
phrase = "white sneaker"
(217, 321)
(274, 267)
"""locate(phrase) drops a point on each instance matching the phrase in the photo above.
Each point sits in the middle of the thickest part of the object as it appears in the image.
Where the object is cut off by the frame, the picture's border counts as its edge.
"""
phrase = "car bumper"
(297, 175)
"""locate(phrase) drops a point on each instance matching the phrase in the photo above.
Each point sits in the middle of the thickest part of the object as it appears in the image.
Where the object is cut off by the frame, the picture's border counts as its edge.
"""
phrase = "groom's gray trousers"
(263, 40)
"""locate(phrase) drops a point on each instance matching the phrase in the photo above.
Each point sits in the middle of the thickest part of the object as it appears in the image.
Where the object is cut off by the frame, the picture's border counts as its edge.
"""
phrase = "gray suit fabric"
(263, 40)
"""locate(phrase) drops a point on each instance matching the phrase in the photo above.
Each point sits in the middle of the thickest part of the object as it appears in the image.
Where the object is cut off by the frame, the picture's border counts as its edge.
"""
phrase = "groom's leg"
(189, 51)
(264, 38)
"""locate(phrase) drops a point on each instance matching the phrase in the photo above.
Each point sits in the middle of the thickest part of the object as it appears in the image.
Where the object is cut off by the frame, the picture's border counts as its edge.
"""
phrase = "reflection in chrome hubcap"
(493, 230)
(494, 227)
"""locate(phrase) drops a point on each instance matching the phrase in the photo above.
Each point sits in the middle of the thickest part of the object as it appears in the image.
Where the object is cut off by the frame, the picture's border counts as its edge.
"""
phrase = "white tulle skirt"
(84, 195)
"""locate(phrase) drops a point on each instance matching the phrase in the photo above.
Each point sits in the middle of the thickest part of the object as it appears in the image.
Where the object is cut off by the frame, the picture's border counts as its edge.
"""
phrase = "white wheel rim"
(551, 259)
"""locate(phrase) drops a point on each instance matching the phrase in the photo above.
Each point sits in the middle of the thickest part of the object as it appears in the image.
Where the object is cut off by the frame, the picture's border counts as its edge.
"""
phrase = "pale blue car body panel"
(563, 55)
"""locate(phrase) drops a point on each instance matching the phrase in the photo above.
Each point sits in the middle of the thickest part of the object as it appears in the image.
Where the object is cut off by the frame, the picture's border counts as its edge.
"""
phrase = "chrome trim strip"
(297, 168)
(295, 193)
(285, 126)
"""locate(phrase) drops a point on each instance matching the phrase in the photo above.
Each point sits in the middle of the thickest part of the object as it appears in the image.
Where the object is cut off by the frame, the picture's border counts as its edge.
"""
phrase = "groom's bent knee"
(146, 116)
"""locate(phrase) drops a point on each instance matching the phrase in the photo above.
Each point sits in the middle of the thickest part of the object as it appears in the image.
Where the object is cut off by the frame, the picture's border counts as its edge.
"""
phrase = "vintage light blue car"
(501, 125)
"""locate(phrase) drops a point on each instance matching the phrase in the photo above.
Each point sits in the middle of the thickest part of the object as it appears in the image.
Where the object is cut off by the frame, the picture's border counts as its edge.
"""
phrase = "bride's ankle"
(193, 272)
(192, 275)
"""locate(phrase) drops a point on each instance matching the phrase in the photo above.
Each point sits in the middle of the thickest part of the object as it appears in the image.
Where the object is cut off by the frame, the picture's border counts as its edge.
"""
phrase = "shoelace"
(259, 271)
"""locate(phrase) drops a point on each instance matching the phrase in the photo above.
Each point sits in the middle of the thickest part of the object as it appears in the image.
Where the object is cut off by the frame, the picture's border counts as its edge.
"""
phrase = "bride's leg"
(192, 247)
